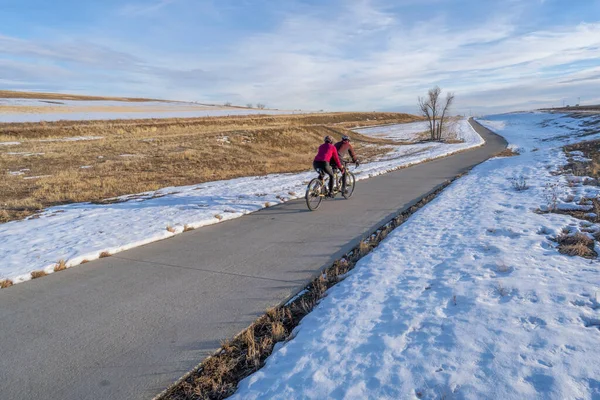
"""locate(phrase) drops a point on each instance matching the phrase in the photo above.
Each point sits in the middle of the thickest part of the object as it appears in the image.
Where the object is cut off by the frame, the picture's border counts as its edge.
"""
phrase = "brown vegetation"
(135, 156)
(578, 244)
(60, 266)
(5, 283)
(38, 274)
(507, 153)
(217, 377)
(591, 150)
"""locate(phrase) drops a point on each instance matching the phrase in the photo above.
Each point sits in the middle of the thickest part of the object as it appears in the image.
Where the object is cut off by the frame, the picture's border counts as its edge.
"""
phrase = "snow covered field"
(33, 110)
(82, 231)
(469, 299)
(401, 132)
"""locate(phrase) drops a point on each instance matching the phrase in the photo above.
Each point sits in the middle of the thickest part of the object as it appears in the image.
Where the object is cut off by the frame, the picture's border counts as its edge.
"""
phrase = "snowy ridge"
(83, 231)
(400, 132)
(79, 110)
(468, 299)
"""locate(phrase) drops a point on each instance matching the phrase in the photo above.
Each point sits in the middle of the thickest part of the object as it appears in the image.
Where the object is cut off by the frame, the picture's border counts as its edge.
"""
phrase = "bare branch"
(425, 107)
(449, 101)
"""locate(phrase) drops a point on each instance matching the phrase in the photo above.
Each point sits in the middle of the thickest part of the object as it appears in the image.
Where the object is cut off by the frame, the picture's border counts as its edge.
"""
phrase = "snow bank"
(134, 110)
(469, 299)
(400, 132)
(81, 231)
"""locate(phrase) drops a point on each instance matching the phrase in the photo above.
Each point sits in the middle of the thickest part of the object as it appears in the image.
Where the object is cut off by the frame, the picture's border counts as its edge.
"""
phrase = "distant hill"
(9, 94)
(575, 108)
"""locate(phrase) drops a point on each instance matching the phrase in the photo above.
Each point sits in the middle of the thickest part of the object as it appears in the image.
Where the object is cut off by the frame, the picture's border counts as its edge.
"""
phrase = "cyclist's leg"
(318, 166)
(329, 171)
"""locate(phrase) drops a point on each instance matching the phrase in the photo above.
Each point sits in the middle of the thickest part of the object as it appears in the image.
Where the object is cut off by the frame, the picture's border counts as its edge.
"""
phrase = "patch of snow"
(401, 132)
(134, 110)
(24, 154)
(132, 155)
(37, 177)
(85, 166)
(72, 139)
(10, 143)
(80, 231)
(581, 159)
(468, 299)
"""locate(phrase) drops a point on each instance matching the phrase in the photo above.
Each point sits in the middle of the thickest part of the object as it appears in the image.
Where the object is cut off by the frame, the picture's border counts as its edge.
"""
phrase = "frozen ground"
(400, 132)
(33, 110)
(82, 231)
(467, 300)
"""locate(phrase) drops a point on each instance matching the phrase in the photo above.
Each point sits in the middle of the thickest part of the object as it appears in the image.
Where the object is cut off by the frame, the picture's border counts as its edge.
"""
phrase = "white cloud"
(146, 8)
(358, 55)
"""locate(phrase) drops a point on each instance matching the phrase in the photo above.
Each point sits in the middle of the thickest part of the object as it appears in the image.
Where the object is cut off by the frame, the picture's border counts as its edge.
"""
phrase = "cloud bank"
(346, 55)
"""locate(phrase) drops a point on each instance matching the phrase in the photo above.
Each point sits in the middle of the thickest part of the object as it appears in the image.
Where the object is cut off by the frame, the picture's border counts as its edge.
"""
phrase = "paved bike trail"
(127, 326)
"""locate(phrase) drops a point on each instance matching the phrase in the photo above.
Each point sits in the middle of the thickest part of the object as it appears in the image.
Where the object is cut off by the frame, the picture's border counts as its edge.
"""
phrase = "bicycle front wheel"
(350, 183)
(314, 194)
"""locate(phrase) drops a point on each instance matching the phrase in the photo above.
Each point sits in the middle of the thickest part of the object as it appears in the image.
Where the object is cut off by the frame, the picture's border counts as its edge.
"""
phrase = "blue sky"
(335, 55)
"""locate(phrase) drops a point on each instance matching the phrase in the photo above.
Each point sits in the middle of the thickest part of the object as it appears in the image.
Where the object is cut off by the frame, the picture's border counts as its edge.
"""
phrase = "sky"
(352, 55)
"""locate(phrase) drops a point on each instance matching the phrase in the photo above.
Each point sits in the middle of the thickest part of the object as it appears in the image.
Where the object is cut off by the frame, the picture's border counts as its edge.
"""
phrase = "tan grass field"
(124, 157)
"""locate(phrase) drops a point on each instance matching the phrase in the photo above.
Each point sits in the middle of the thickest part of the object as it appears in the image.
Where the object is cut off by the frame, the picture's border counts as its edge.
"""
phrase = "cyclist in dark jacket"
(344, 147)
(326, 156)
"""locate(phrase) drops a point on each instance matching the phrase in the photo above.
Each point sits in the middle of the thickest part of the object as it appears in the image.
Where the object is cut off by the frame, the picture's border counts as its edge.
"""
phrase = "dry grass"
(503, 268)
(578, 244)
(5, 283)
(502, 290)
(38, 274)
(105, 254)
(217, 377)
(187, 228)
(135, 156)
(591, 150)
(507, 153)
(60, 266)
(171, 229)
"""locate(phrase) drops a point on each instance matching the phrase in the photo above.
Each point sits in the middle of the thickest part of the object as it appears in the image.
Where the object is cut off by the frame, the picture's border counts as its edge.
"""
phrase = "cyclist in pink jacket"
(326, 153)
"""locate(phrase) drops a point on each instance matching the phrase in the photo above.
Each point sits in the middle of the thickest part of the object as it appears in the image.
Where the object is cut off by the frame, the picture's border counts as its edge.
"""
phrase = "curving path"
(127, 326)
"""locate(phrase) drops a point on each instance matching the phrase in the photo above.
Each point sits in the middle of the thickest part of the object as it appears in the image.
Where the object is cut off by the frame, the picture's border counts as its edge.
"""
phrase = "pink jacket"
(326, 152)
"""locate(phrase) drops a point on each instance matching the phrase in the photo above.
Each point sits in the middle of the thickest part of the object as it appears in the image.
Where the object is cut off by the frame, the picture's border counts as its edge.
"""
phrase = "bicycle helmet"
(345, 138)
(328, 139)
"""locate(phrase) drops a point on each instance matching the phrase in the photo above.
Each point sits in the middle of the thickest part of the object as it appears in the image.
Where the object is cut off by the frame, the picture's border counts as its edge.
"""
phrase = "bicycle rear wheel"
(314, 194)
(348, 190)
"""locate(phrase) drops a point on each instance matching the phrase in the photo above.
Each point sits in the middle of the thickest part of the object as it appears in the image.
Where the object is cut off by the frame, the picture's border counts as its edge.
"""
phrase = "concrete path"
(127, 326)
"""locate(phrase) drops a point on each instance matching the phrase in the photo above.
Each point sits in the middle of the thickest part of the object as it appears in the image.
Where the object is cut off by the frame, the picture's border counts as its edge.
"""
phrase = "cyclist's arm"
(337, 159)
(352, 153)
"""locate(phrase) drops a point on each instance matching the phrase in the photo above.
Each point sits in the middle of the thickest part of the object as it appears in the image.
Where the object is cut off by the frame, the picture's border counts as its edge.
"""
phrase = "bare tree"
(249, 105)
(260, 106)
(227, 104)
(432, 109)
